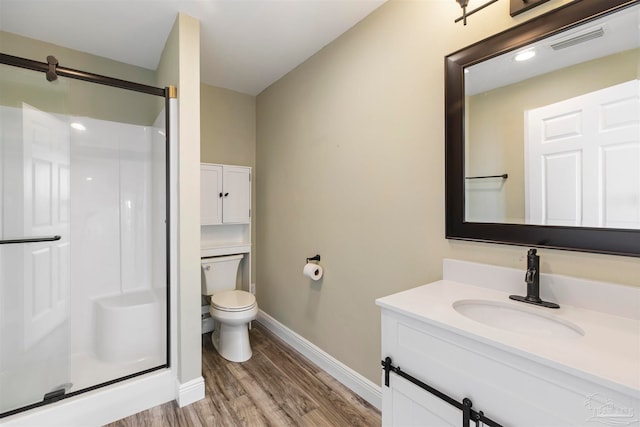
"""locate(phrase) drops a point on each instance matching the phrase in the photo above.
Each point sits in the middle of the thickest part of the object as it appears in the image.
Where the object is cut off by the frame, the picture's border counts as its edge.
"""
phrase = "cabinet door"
(237, 195)
(210, 194)
(405, 404)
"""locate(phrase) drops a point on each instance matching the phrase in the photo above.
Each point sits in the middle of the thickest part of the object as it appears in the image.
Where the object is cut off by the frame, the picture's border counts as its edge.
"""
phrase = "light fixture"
(519, 6)
(78, 126)
(525, 55)
(516, 7)
(464, 3)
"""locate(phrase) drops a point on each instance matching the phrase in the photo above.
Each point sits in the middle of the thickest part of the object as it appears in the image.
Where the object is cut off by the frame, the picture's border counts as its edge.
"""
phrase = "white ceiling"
(245, 45)
(620, 33)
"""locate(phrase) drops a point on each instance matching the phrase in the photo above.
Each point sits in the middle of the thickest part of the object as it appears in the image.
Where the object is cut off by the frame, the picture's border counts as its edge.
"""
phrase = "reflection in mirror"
(555, 139)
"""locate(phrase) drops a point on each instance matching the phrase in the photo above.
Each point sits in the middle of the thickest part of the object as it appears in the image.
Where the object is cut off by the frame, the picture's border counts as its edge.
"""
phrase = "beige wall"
(228, 129)
(37, 50)
(228, 126)
(81, 98)
(180, 66)
(496, 120)
(350, 161)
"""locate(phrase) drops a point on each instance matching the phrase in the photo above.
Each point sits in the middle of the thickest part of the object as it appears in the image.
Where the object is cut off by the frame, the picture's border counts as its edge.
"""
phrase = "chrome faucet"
(532, 279)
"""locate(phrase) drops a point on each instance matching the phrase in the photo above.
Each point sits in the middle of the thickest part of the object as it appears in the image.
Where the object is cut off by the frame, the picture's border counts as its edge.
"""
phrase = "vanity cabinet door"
(405, 404)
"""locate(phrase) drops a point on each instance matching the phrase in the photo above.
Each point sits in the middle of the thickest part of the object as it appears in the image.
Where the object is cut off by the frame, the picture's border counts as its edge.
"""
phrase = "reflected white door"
(583, 160)
(46, 213)
(34, 277)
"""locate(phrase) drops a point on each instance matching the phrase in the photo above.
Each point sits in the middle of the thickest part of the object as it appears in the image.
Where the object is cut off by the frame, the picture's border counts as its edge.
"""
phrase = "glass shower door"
(34, 230)
(83, 235)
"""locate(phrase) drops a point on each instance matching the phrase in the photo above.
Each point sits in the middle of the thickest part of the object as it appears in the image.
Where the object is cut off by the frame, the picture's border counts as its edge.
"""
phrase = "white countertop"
(608, 353)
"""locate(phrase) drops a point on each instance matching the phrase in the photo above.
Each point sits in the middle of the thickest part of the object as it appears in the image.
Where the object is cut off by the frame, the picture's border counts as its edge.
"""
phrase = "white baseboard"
(190, 392)
(341, 372)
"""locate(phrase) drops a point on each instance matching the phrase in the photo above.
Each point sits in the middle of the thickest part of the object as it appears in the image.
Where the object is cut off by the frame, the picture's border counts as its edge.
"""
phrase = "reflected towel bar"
(503, 176)
(30, 240)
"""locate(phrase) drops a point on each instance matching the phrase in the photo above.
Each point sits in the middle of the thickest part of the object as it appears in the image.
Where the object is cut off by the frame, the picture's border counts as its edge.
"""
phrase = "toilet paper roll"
(312, 271)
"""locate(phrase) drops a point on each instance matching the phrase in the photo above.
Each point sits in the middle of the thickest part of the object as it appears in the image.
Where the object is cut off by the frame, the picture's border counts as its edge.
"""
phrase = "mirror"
(546, 151)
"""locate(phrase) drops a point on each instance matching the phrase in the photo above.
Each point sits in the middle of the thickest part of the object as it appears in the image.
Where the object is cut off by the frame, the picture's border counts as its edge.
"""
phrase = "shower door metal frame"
(167, 93)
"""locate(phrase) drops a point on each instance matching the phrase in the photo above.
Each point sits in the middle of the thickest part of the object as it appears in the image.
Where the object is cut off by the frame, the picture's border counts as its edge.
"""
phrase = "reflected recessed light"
(89, 178)
(78, 126)
(527, 54)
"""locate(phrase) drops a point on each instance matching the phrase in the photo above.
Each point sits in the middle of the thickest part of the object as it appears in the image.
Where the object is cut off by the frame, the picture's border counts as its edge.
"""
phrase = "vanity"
(526, 165)
(517, 364)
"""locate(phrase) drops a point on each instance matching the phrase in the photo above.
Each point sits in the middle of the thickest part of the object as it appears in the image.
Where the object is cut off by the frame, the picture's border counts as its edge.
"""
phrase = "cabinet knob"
(226, 194)
(220, 194)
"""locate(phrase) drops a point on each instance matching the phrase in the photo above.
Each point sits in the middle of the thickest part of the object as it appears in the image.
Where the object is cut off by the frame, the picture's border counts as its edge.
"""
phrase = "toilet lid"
(233, 300)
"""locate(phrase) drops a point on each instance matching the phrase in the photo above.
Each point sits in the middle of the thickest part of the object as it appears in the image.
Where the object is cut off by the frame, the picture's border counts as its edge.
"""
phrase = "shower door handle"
(30, 240)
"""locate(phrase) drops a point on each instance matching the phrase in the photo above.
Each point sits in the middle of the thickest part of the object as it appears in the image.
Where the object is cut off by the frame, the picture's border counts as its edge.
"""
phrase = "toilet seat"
(232, 301)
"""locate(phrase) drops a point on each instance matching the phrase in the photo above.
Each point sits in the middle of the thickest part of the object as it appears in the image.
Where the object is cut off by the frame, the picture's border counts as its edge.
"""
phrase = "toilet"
(230, 309)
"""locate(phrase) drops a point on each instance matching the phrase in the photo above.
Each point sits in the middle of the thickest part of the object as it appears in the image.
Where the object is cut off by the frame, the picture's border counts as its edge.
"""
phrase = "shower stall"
(84, 217)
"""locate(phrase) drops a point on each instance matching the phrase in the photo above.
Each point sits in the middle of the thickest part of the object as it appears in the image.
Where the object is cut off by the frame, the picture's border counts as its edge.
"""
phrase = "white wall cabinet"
(225, 194)
(225, 214)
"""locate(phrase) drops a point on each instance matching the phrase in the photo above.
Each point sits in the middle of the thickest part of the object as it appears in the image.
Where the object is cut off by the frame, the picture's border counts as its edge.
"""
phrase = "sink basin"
(522, 320)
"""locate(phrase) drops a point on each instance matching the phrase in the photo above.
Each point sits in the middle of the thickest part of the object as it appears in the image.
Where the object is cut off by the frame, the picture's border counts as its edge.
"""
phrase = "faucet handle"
(529, 275)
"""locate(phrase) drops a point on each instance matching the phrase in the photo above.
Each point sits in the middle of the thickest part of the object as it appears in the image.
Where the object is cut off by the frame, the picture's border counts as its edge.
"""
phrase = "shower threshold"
(88, 371)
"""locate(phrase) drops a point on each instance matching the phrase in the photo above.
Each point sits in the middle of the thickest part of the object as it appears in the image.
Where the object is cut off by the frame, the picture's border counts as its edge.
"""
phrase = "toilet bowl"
(230, 309)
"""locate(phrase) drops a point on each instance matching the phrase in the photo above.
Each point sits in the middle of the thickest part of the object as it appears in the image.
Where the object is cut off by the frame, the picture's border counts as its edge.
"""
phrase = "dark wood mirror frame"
(598, 240)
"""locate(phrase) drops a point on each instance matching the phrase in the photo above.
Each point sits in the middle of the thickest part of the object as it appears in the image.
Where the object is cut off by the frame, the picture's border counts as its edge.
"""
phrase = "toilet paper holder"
(315, 258)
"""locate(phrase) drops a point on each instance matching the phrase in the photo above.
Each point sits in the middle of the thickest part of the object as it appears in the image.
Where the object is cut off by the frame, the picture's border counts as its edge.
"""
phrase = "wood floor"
(276, 387)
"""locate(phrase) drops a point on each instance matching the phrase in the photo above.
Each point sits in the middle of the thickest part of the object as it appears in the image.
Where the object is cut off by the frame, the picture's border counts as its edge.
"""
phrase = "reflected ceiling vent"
(591, 34)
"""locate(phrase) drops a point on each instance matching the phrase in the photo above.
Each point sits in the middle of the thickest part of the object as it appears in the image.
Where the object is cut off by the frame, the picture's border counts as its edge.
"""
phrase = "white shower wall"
(112, 218)
(159, 194)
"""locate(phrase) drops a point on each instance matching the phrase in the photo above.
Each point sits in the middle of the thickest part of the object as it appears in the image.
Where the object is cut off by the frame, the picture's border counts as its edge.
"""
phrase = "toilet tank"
(219, 273)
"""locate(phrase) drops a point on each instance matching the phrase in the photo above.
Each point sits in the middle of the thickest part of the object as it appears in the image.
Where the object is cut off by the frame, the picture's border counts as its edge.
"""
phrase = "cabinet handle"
(226, 194)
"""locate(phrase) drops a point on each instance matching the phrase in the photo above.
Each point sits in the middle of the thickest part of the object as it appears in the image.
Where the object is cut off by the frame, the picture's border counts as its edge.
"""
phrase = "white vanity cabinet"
(225, 194)
(515, 379)
(510, 390)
